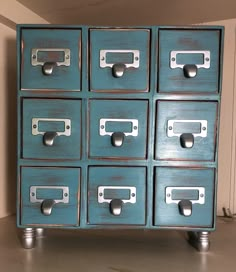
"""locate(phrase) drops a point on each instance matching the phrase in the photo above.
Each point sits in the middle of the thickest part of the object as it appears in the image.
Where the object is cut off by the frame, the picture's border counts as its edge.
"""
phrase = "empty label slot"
(187, 127)
(51, 56)
(117, 193)
(119, 126)
(119, 57)
(185, 194)
(51, 126)
(190, 58)
(49, 194)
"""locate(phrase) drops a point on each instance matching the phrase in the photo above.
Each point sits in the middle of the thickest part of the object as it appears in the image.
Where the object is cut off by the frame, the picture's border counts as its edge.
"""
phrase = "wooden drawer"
(184, 197)
(51, 59)
(50, 196)
(51, 128)
(189, 60)
(117, 195)
(119, 60)
(118, 128)
(186, 130)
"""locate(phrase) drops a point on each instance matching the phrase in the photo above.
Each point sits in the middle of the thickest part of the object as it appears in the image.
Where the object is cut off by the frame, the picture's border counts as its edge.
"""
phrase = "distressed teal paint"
(64, 147)
(173, 80)
(132, 213)
(145, 96)
(62, 213)
(168, 214)
(185, 194)
(134, 146)
(63, 77)
(169, 148)
(52, 193)
(134, 79)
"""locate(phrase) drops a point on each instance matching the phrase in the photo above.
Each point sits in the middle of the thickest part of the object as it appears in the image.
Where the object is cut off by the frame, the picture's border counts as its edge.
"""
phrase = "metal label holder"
(101, 190)
(34, 56)
(202, 133)
(134, 64)
(103, 121)
(201, 193)
(206, 58)
(35, 126)
(65, 193)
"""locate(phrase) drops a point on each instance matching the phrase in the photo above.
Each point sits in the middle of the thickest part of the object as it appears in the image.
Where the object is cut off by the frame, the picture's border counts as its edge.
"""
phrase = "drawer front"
(117, 195)
(51, 129)
(50, 196)
(51, 59)
(186, 131)
(184, 197)
(119, 60)
(118, 129)
(189, 60)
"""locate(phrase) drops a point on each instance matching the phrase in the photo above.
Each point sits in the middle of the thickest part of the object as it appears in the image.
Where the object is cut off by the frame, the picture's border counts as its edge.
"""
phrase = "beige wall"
(18, 14)
(7, 120)
(11, 12)
(132, 12)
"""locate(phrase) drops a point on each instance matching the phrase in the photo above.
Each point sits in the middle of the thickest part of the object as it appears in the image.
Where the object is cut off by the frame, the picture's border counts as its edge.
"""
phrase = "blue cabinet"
(51, 59)
(118, 128)
(186, 130)
(119, 60)
(117, 195)
(50, 196)
(189, 60)
(51, 129)
(184, 197)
